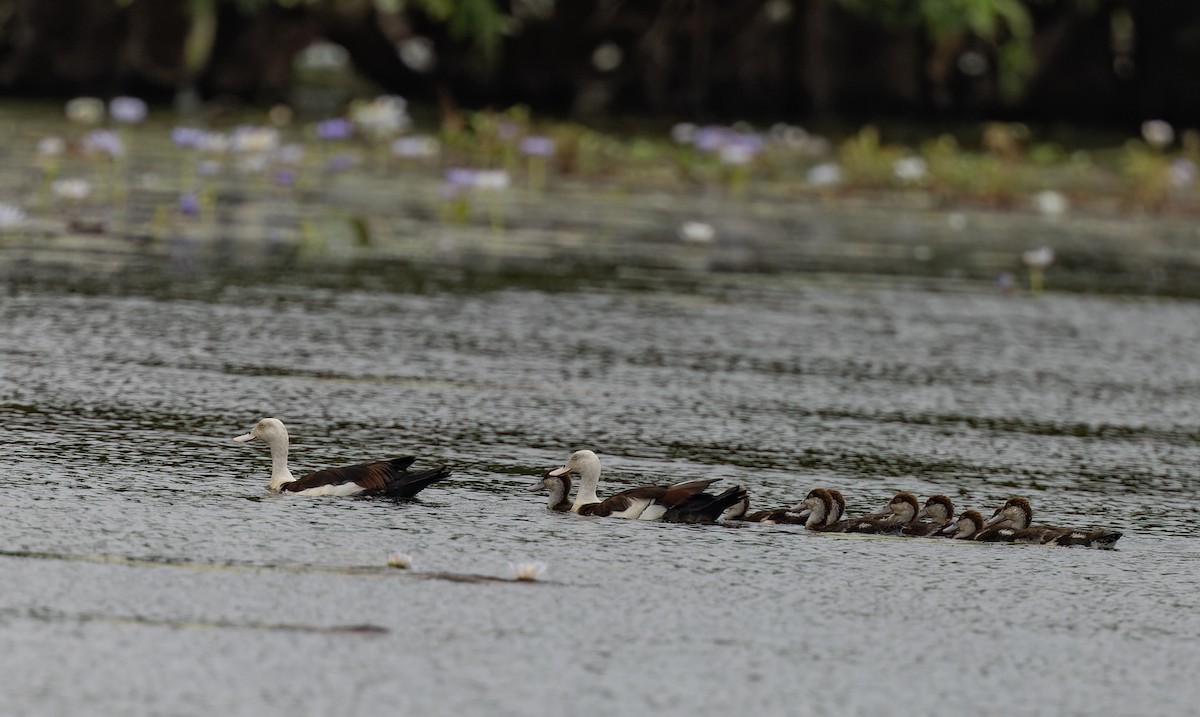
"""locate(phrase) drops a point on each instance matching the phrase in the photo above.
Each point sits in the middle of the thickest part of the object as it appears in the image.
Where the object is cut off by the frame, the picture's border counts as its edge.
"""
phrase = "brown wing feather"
(371, 476)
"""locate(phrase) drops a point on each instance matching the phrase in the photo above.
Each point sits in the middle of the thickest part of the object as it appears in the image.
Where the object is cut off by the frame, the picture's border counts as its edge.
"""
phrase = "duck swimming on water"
(1013, 523)
(382, 478)
(899, 512)
(940, 511)
(681, 502)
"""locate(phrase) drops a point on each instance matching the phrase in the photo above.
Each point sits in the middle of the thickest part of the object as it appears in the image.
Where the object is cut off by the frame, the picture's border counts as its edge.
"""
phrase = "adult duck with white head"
(681, 502)
(389, 478)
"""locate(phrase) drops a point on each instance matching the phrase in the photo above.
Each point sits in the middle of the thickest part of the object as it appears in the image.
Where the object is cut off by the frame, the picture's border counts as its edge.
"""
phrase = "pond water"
(147, 571)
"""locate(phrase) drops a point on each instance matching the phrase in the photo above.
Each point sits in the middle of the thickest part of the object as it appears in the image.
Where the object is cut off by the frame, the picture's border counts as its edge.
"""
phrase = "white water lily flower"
(403, 561)
(910, 169)
(1051, 203)
(527, 572)
(383, 116)
(12, 217)
(824, 175)
(1039, 258)
(494, 179)
(696, 233)
(51, 147)
(73, 189)
(85, 110)
(416, 147)
(1158, 133)
(248, 139)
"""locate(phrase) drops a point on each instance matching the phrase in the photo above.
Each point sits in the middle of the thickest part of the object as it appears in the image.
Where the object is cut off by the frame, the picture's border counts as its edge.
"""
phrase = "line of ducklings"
(821, 511)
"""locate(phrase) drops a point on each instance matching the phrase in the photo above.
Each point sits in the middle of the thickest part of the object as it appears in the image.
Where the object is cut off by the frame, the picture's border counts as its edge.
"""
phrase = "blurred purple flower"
(127, 110)
(189, 204)
(1183, 173)
(335, 129)
(187, 137)
(102, 141)
(710, 139)
(536, 146)
(284, 178)
(461, 177)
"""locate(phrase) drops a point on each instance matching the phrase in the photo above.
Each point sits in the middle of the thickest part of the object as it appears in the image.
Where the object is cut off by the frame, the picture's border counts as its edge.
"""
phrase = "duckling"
(939, 509)
(824, 507)
(965, 528)
(1012, 522)
(890, 519)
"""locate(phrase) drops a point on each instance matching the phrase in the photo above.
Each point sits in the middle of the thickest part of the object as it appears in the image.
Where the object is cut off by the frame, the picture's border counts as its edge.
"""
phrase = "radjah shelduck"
(381, 478)
(685, 502)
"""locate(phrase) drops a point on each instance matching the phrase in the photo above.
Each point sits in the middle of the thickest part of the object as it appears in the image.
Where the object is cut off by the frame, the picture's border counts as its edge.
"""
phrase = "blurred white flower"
(527, 572)
(417, 53)
(248, 139)
(826, 174)
(1157, 133)
(607, 57)
(12, 217)
(683, 133)
(416, 147)
(1183, 173)
(1050, 203)
(51, 147)
(208, 168)
(74, 189)
(127, 110)
(910, 170)
(383, 116)
(1039, 258)
(696, 233)
(492, 179)
(323, 56)
(85, 110)
(213, 142)
(400, 560)
(253, 163)
(291, 154)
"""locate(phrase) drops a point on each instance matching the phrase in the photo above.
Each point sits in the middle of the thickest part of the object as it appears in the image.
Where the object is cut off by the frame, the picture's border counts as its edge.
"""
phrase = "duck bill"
(923, 513)
(886, 510)
(559, 471)
(247, 437)
(949, 529)
(999, 517)
(536, 488)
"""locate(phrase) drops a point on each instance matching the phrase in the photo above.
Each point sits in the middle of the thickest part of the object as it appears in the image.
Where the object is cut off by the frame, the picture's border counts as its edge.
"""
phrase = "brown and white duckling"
(559, 487)
(646, 502)
(966, 527)
(940, 511)
(387, 478)
(1013, 522)
(799, 514)
(890, 519)
(825, 507)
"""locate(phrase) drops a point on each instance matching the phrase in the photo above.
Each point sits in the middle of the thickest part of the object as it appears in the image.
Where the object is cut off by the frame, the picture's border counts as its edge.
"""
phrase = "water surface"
(146, 570)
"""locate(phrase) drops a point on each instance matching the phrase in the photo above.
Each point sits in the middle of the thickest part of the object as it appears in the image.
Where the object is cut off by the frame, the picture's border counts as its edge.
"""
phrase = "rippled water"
(146, 570)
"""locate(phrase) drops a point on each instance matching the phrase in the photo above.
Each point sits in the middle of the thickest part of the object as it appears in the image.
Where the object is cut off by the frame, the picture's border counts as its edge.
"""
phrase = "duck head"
(268, 430)
(938, 508)
(903, 508)
(839, 505)
(558, 486)
(1016, 513)
(820, 505)
(586, 465)
(968, 524)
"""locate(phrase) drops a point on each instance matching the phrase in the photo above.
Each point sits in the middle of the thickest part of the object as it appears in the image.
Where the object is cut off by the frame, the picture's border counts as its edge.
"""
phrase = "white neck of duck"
(589, 477)
(279, 467)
